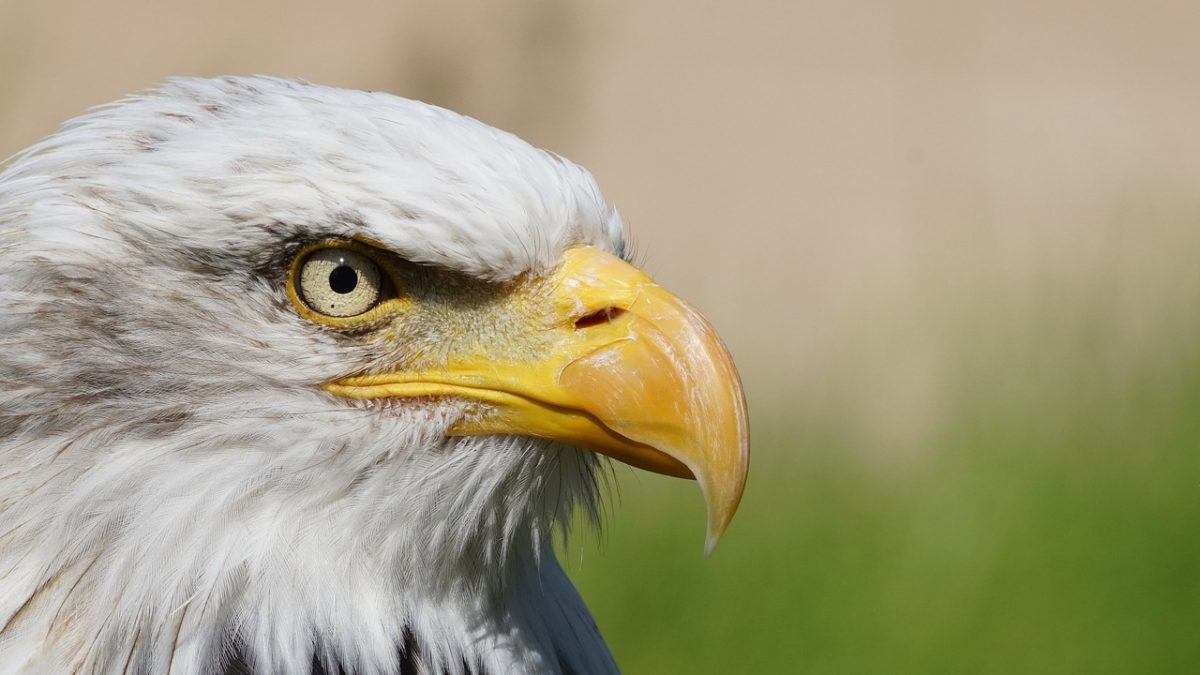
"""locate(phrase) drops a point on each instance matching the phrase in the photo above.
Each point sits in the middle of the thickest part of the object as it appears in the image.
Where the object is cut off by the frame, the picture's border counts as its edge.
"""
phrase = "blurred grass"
(1049, 526)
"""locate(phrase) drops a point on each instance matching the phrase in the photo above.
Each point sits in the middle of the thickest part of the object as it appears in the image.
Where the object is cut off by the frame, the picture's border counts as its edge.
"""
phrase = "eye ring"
(338, 282)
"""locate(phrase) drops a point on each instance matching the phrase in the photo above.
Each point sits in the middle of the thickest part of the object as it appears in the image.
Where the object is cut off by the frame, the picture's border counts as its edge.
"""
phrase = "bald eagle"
(296, 379)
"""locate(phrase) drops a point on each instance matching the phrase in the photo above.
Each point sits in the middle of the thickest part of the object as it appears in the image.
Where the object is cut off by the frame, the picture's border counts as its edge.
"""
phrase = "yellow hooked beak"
(616, 364)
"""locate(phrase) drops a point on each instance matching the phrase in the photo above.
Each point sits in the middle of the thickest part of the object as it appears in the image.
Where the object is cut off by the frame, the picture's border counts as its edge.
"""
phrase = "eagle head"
(298, 379)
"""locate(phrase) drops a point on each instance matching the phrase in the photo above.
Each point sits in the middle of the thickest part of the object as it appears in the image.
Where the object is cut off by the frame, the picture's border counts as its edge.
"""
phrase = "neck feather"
(351, 540)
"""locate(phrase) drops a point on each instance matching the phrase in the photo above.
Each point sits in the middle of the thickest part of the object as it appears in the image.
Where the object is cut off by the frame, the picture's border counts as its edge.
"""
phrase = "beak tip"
(718, 522)
(722, 494)
(710, 543)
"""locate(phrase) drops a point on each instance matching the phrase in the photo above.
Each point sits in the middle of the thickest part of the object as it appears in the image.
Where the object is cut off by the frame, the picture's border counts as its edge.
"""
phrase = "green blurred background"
(952, 245)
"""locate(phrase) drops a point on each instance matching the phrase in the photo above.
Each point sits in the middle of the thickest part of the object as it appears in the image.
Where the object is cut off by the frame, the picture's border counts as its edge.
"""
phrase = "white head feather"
(176, 494)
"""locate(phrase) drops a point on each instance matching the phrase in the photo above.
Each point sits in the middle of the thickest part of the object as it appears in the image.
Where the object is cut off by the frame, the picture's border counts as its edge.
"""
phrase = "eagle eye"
(338, 282)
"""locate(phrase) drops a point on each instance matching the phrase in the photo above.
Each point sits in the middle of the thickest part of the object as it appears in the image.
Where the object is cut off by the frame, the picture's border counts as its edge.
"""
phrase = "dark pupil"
(343, 279)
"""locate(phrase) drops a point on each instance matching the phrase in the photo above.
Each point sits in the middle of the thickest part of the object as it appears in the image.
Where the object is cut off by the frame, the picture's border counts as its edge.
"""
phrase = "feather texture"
(176, 493)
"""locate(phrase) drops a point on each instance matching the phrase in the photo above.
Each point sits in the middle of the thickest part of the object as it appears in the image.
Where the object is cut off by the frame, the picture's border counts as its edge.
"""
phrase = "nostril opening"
(598, 317)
